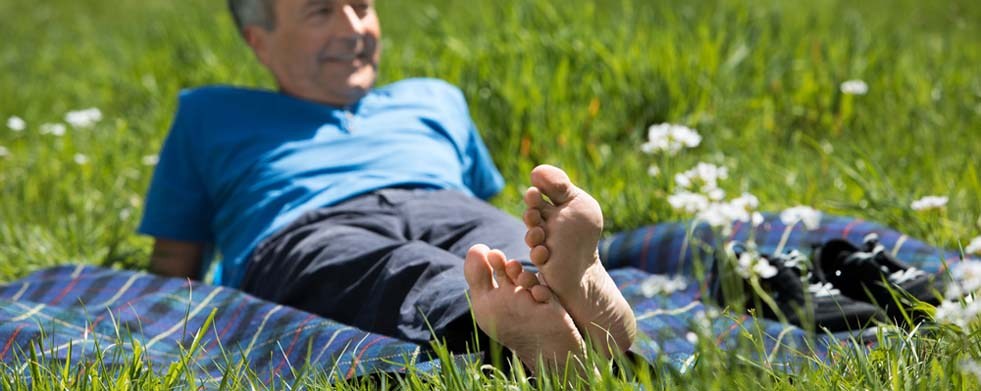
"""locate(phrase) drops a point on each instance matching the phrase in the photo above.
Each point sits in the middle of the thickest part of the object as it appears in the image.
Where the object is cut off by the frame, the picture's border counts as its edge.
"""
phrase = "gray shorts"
(389, 262)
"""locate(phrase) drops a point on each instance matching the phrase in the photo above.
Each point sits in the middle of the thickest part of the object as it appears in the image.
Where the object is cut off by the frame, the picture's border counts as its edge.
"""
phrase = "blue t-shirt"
(239, 164)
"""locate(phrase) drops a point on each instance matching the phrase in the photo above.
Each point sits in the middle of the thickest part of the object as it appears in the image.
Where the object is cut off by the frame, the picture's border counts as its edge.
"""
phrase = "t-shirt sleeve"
(480, 174)
(177, 204)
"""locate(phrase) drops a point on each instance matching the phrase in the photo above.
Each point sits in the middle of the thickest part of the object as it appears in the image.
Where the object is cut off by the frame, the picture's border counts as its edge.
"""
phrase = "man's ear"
(256, 37)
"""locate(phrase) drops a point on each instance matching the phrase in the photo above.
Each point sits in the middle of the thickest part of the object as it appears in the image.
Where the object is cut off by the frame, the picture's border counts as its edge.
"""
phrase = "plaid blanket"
(92, 309)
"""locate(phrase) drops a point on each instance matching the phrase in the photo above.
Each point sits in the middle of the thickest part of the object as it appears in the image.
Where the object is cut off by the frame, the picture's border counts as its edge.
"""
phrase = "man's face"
(321, 50)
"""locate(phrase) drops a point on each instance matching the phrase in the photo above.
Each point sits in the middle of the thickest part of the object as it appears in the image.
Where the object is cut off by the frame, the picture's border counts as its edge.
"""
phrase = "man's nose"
(350, 22)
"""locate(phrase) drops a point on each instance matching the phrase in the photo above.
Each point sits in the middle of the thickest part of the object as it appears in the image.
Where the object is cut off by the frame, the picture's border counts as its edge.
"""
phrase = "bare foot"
(563, 236)
(528, 280)
(524, 320)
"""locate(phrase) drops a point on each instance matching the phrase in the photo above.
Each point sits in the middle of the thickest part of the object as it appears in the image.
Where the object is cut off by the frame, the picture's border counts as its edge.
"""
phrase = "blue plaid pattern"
(92, 308)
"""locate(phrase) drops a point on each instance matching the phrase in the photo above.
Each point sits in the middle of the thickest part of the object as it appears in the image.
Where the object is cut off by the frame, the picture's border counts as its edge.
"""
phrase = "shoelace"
(797, 260)
(870, 244)
(822, 289)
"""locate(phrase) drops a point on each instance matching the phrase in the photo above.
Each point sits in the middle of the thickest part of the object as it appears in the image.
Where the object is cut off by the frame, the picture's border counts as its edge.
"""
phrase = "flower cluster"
(658, 284)
(704, 179)
(4, 152)
(57, 129)
(82, 119)
(854, 87)
(670, 139)
(929, 203)
(699, 194)
(805, 214)
(724, 214)
(78, 119)
(961, 308)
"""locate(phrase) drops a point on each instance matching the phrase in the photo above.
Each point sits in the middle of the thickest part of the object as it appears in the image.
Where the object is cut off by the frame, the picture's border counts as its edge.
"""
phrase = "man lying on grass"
(364, 205)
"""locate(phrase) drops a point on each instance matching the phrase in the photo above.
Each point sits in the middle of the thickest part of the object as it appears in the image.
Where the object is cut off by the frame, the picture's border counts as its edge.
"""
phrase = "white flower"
(703, 178)
(670, 138)
(810, 216)
(751, 264)
(658, 284)
(653, 171)
(716, 194)
(854, 87)
(703, 318)
(957, 313)
(723, 215)
(16, 123)
(4, 152)
(150, 160)
(928, 203)
(691, 337)
(747, 202)
(81, 159)
(53, 129)
(974, 248)
(688, 202)
(83, 118)
(966, 279)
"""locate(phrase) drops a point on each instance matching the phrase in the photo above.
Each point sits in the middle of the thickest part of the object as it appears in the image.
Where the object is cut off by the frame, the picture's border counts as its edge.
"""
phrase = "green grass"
(574, 83)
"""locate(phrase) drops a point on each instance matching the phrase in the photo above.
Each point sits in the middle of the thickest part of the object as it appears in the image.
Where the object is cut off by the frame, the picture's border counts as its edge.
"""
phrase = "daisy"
(81, 119)
(16, 123)
(809, 216)
(658, 284)
(688, 202)
(854, 87)
(928, 203)
(703, 178)
(53, 129)
(670, 138)
(966, 277)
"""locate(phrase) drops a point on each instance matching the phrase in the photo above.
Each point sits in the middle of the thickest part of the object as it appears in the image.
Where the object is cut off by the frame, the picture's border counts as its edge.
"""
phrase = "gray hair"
(253, 13)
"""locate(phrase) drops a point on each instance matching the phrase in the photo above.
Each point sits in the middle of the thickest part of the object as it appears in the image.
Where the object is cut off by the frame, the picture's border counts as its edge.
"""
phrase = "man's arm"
(174, 258)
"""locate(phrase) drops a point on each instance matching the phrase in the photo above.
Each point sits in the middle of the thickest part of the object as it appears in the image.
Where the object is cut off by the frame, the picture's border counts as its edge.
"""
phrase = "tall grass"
(572, 83)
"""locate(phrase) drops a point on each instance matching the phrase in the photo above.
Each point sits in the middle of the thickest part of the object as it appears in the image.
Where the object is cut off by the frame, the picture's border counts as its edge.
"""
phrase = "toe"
(477, 270)
(526, 279)
(534, 237)
(532, 218)
(533, 198)
(513, 268)
(496, 259)
(554, 183)
(539, 255)
(541, 293)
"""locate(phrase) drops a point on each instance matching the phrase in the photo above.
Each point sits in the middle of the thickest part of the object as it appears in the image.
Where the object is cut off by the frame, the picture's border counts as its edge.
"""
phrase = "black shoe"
(802, 299)
(873, 275)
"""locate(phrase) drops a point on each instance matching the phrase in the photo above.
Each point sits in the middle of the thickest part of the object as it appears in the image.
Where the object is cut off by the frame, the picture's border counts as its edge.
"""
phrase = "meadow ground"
(573, 83)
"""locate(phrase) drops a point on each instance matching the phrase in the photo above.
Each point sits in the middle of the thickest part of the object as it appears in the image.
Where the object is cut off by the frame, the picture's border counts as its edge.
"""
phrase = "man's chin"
(362, 79)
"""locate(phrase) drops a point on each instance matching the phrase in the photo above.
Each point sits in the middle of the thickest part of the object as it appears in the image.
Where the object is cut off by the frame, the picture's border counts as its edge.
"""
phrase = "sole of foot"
(563, 235)
(527, 321)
